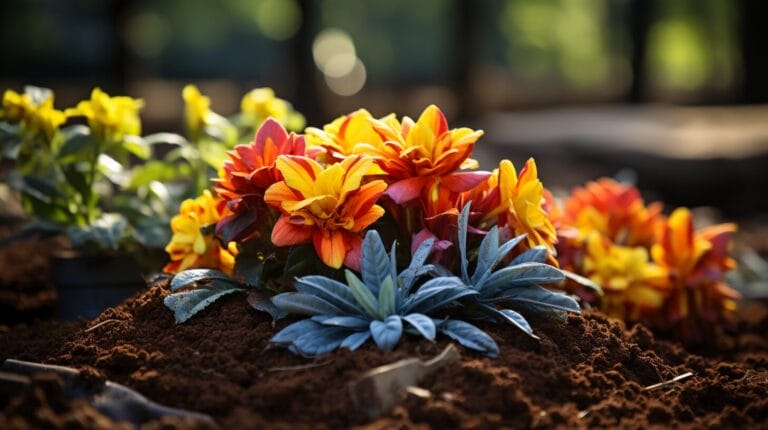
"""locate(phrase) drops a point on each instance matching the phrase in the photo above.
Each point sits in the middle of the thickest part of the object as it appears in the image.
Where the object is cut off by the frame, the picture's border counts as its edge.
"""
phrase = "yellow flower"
(330, 207)
(630, 281)
(34, 118)
(519, 205)
(110, 118)
(261, 103)
(341, 137)
(189, 247)
(197, 109)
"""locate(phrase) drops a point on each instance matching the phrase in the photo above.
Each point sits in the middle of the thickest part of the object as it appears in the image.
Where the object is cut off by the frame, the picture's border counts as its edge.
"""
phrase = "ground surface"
(587, 372)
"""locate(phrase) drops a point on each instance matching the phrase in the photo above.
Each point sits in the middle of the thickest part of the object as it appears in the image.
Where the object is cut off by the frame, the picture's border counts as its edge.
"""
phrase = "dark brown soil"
(26, 290)
(587, 372)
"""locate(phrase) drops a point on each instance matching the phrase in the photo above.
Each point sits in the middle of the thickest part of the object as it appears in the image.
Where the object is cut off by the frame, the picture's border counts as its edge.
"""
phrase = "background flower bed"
(588, 372)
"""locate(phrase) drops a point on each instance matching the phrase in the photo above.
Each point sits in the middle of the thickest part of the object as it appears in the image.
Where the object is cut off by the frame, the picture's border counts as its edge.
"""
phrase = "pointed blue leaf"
(304, 304)
(518, 321)
(469, 336)
(351, 322)
(356, 340)
(463, 223)
(414, 270)
(478, 279)
(332, 291)
(486, 253)
(584, 282)
(374, 263)
(426, 301)
(423, 324)
(521, 274)
(320, 341)
(386, 334)
(539, 297)
(537, 254)
(292, 331)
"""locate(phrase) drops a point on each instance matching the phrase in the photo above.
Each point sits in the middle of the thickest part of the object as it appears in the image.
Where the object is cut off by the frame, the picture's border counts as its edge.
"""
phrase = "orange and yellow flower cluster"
(652, 268)
(327, 186)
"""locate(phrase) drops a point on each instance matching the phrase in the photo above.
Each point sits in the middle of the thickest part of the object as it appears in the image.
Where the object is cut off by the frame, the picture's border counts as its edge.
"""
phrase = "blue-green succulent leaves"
(380, 305)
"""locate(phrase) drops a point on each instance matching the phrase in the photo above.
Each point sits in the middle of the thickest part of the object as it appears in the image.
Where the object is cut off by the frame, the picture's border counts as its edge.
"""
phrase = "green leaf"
(362, 294)
(213, 153)
(387, 297)
(191, 276)
(137, 146)
(165, 138)
(36, 187)
(185, 304)
(106, 231)
(78, 145)
(113, 170)
(154, 170)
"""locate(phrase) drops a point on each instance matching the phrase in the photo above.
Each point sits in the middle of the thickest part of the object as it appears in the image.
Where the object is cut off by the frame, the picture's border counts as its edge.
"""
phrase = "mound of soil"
(589, 371)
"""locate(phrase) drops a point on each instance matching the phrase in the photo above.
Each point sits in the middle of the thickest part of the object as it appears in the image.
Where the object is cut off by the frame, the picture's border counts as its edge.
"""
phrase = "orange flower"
(330, 207)
(247, 175)
(696, 263)
(423, 155)
(190, 247)
(616, 210)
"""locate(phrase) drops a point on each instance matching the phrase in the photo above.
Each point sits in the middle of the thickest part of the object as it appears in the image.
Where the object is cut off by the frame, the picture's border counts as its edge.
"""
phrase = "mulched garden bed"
(587, 372)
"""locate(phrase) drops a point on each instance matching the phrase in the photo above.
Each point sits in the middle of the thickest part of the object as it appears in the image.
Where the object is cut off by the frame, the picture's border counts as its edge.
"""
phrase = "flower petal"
(406, 190)
(330, 247)
(286, 233)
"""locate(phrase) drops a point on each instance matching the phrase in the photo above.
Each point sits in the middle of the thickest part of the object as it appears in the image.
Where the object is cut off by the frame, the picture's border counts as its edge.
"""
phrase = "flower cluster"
(652, 268)
(327, 186)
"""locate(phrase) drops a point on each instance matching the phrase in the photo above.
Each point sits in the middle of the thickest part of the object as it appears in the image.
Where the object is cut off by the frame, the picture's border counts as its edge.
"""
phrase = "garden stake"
(380, 389)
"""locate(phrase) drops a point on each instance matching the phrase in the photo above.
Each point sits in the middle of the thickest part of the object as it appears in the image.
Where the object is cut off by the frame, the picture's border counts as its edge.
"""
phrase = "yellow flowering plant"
(653, 269)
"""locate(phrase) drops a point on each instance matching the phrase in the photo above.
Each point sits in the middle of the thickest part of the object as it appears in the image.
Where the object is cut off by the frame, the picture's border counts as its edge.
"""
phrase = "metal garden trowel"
(380, 389)
(116, 401)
